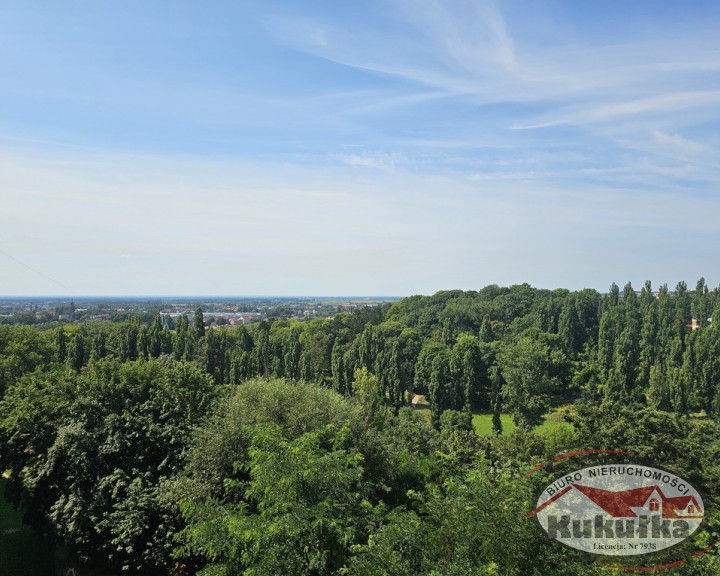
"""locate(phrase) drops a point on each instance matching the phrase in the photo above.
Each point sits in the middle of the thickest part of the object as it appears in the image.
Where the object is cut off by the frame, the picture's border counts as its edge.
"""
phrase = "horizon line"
(189, 296)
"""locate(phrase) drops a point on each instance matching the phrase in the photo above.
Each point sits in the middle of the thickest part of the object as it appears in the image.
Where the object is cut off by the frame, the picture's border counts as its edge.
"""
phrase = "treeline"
(516, 349)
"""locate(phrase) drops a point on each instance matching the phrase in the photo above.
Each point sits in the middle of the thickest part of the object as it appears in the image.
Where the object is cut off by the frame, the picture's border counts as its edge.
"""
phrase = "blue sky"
(369, 148)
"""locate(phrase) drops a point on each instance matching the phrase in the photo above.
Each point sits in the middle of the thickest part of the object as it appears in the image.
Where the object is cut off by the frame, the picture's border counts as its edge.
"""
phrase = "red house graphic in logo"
(632, 503)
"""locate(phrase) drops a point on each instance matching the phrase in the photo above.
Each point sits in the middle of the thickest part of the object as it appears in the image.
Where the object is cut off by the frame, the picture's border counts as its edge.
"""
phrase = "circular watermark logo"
(619, 509)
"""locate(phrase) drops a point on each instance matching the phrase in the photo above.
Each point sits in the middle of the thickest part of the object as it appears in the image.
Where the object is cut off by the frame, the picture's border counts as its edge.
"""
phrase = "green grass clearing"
(483, 424)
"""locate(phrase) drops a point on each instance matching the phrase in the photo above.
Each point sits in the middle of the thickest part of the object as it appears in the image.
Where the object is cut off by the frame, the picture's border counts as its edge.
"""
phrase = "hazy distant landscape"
(220, 311)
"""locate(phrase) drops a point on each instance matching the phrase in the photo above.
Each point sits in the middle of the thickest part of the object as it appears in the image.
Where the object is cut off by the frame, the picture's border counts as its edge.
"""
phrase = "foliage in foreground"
(89, 455)
(304, 500)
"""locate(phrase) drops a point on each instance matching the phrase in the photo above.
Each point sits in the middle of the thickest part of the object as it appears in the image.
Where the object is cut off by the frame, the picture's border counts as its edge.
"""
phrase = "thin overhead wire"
(36, 271)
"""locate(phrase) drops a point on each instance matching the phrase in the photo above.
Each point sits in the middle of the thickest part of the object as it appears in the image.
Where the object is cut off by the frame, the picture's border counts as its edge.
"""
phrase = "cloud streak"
(253, 229)
(663, 104)
(468, 50)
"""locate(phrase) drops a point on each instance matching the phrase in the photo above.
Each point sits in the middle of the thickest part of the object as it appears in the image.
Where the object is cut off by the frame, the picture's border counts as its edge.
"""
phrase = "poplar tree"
(496, 379)
(199, 324)
(181, 338)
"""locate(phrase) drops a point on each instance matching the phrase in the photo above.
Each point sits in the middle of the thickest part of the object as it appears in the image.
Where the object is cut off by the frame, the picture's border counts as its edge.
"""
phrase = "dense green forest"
(291, 447)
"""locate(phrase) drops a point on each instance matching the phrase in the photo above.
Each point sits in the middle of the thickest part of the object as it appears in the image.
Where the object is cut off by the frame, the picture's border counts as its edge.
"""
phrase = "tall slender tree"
(199, 324)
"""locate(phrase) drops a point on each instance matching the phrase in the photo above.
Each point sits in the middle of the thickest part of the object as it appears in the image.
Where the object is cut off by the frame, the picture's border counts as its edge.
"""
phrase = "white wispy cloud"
(608, 112)
(194, 225)
(467, 48)
(450, 48)
(630, 101)
(376, 160)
